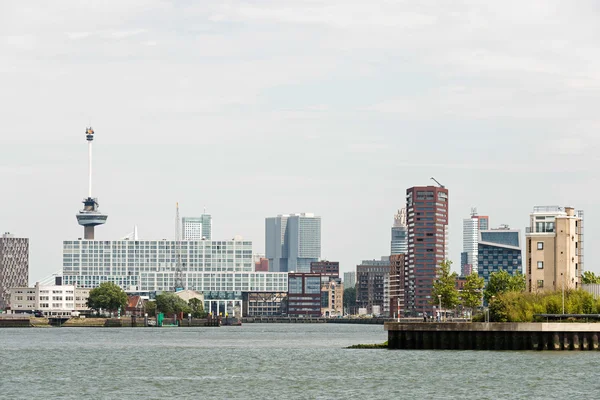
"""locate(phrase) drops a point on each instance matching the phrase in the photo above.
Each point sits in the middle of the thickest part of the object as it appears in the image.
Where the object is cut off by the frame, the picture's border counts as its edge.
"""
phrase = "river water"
(273, 361)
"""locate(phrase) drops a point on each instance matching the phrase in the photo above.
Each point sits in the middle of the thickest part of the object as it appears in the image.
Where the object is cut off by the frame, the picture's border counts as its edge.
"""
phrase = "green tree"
(197, 308)
(471, 294)
(445, 286)
(588, 277)
(170, 303)
(108, 296)
(150, 308)
(350, 300)
(502, 282)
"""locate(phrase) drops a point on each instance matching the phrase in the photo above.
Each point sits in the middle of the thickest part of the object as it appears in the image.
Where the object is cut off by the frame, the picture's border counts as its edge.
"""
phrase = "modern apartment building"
(293, 242)
(349, 279)
(499, 249)
(304, 294)
(197, 228)
(399, 243)
(52, 300)
(222, 270)
(370, 278)
(554, 248)
(329, 269)
(427, 210)
(471, 228)
(14, 265)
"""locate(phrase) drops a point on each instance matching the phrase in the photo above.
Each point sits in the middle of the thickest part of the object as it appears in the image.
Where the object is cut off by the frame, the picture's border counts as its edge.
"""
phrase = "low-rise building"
(52, 300)
(264, 304)
(499, 249)
(304, 294)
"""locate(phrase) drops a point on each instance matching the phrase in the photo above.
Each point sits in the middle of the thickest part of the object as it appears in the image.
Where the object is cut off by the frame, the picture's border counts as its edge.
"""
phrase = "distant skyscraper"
(197, 228)
(499, 249)
(14, 265)
(399, 243)
(471, 228)
(427, 208)
(349, 279)
(292, 242)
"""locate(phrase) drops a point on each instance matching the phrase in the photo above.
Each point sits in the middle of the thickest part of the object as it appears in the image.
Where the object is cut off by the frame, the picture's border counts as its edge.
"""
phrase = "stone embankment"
(493, 336)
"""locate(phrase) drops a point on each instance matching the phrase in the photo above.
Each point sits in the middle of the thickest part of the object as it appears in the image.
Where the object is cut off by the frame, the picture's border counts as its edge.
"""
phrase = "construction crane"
(436, 181)
(178, 271)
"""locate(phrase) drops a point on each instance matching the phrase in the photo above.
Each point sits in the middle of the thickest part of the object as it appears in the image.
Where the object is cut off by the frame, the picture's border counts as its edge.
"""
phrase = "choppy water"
(263, 361)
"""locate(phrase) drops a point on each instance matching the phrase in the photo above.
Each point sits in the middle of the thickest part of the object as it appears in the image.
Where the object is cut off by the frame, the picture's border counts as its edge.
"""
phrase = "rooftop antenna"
(436, 181)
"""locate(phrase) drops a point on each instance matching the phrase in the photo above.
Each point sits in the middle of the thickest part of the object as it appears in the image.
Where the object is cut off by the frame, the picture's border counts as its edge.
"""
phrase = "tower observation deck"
(90, 216)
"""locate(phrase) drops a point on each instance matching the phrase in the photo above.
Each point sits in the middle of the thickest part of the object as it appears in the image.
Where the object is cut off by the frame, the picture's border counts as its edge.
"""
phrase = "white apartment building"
(52, 300)
(222, 270)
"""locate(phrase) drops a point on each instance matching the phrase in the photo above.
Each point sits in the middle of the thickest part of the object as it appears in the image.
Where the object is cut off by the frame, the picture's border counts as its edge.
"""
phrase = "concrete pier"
(493, 336)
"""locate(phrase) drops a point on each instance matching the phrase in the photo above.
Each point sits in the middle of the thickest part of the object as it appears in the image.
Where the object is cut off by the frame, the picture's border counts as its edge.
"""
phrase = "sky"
(258, 108)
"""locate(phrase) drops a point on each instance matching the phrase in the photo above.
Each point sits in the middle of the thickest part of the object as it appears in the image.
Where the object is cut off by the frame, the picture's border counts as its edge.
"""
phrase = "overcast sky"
(257, 108)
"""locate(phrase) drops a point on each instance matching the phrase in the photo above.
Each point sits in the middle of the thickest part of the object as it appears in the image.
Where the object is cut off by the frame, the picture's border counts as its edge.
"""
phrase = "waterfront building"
(386, 295)
(52, 300)
(499, 249)
(264, 304)
(370, 277)
(554, 248)
(327, 269)
(222, 270)
(396, 284)
(427, 210)
(349, 279)
(197, 228)
(14, 265)
(332, 298)
(292, 242)
(399, 243)
(471, 228)
(304, 294)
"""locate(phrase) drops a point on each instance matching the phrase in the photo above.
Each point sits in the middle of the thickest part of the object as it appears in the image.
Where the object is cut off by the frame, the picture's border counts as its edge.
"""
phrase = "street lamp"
(563, 292)
(440, 310)
(398, 309)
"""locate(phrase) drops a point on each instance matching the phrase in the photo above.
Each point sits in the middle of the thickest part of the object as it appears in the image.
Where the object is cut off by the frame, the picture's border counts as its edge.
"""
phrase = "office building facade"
(370, 281)
(52, 300)
(471, 228)
(292, 242)
(554, 241)
(349, 279)
(14, 266)
(197, 228)
(427, 211)
(399, 243)
(499, 249)
(222, 270)
(304, 294)
(328, 269)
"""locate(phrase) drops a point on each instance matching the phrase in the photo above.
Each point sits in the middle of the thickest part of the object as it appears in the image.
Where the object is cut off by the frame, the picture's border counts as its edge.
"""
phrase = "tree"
(150, 308)
(170, 303)
(588, 277)
(445, 286)
(502, 282)
(197, 308)
(472, 291)
(107, 296)
(350, 300)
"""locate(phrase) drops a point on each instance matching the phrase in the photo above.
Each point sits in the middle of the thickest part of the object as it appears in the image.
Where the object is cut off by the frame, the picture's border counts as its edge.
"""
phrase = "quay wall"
(493, 336)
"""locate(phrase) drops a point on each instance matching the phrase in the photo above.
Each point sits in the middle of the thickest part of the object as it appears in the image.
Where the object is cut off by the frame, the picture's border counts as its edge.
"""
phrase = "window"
(540, 284)
(540, 264)
(540, 245)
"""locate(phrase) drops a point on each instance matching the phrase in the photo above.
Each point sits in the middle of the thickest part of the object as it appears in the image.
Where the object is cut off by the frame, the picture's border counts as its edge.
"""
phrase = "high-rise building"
(14, 266)
(292, 242)
(471, 228)
(554, 249)
(349, 279)
(370, 278)
(499, 249)
(427, 209)
(197, 228)
(399, 244)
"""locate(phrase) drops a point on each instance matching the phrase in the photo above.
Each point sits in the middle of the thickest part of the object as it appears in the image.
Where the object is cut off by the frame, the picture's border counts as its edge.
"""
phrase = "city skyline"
(435, 92)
